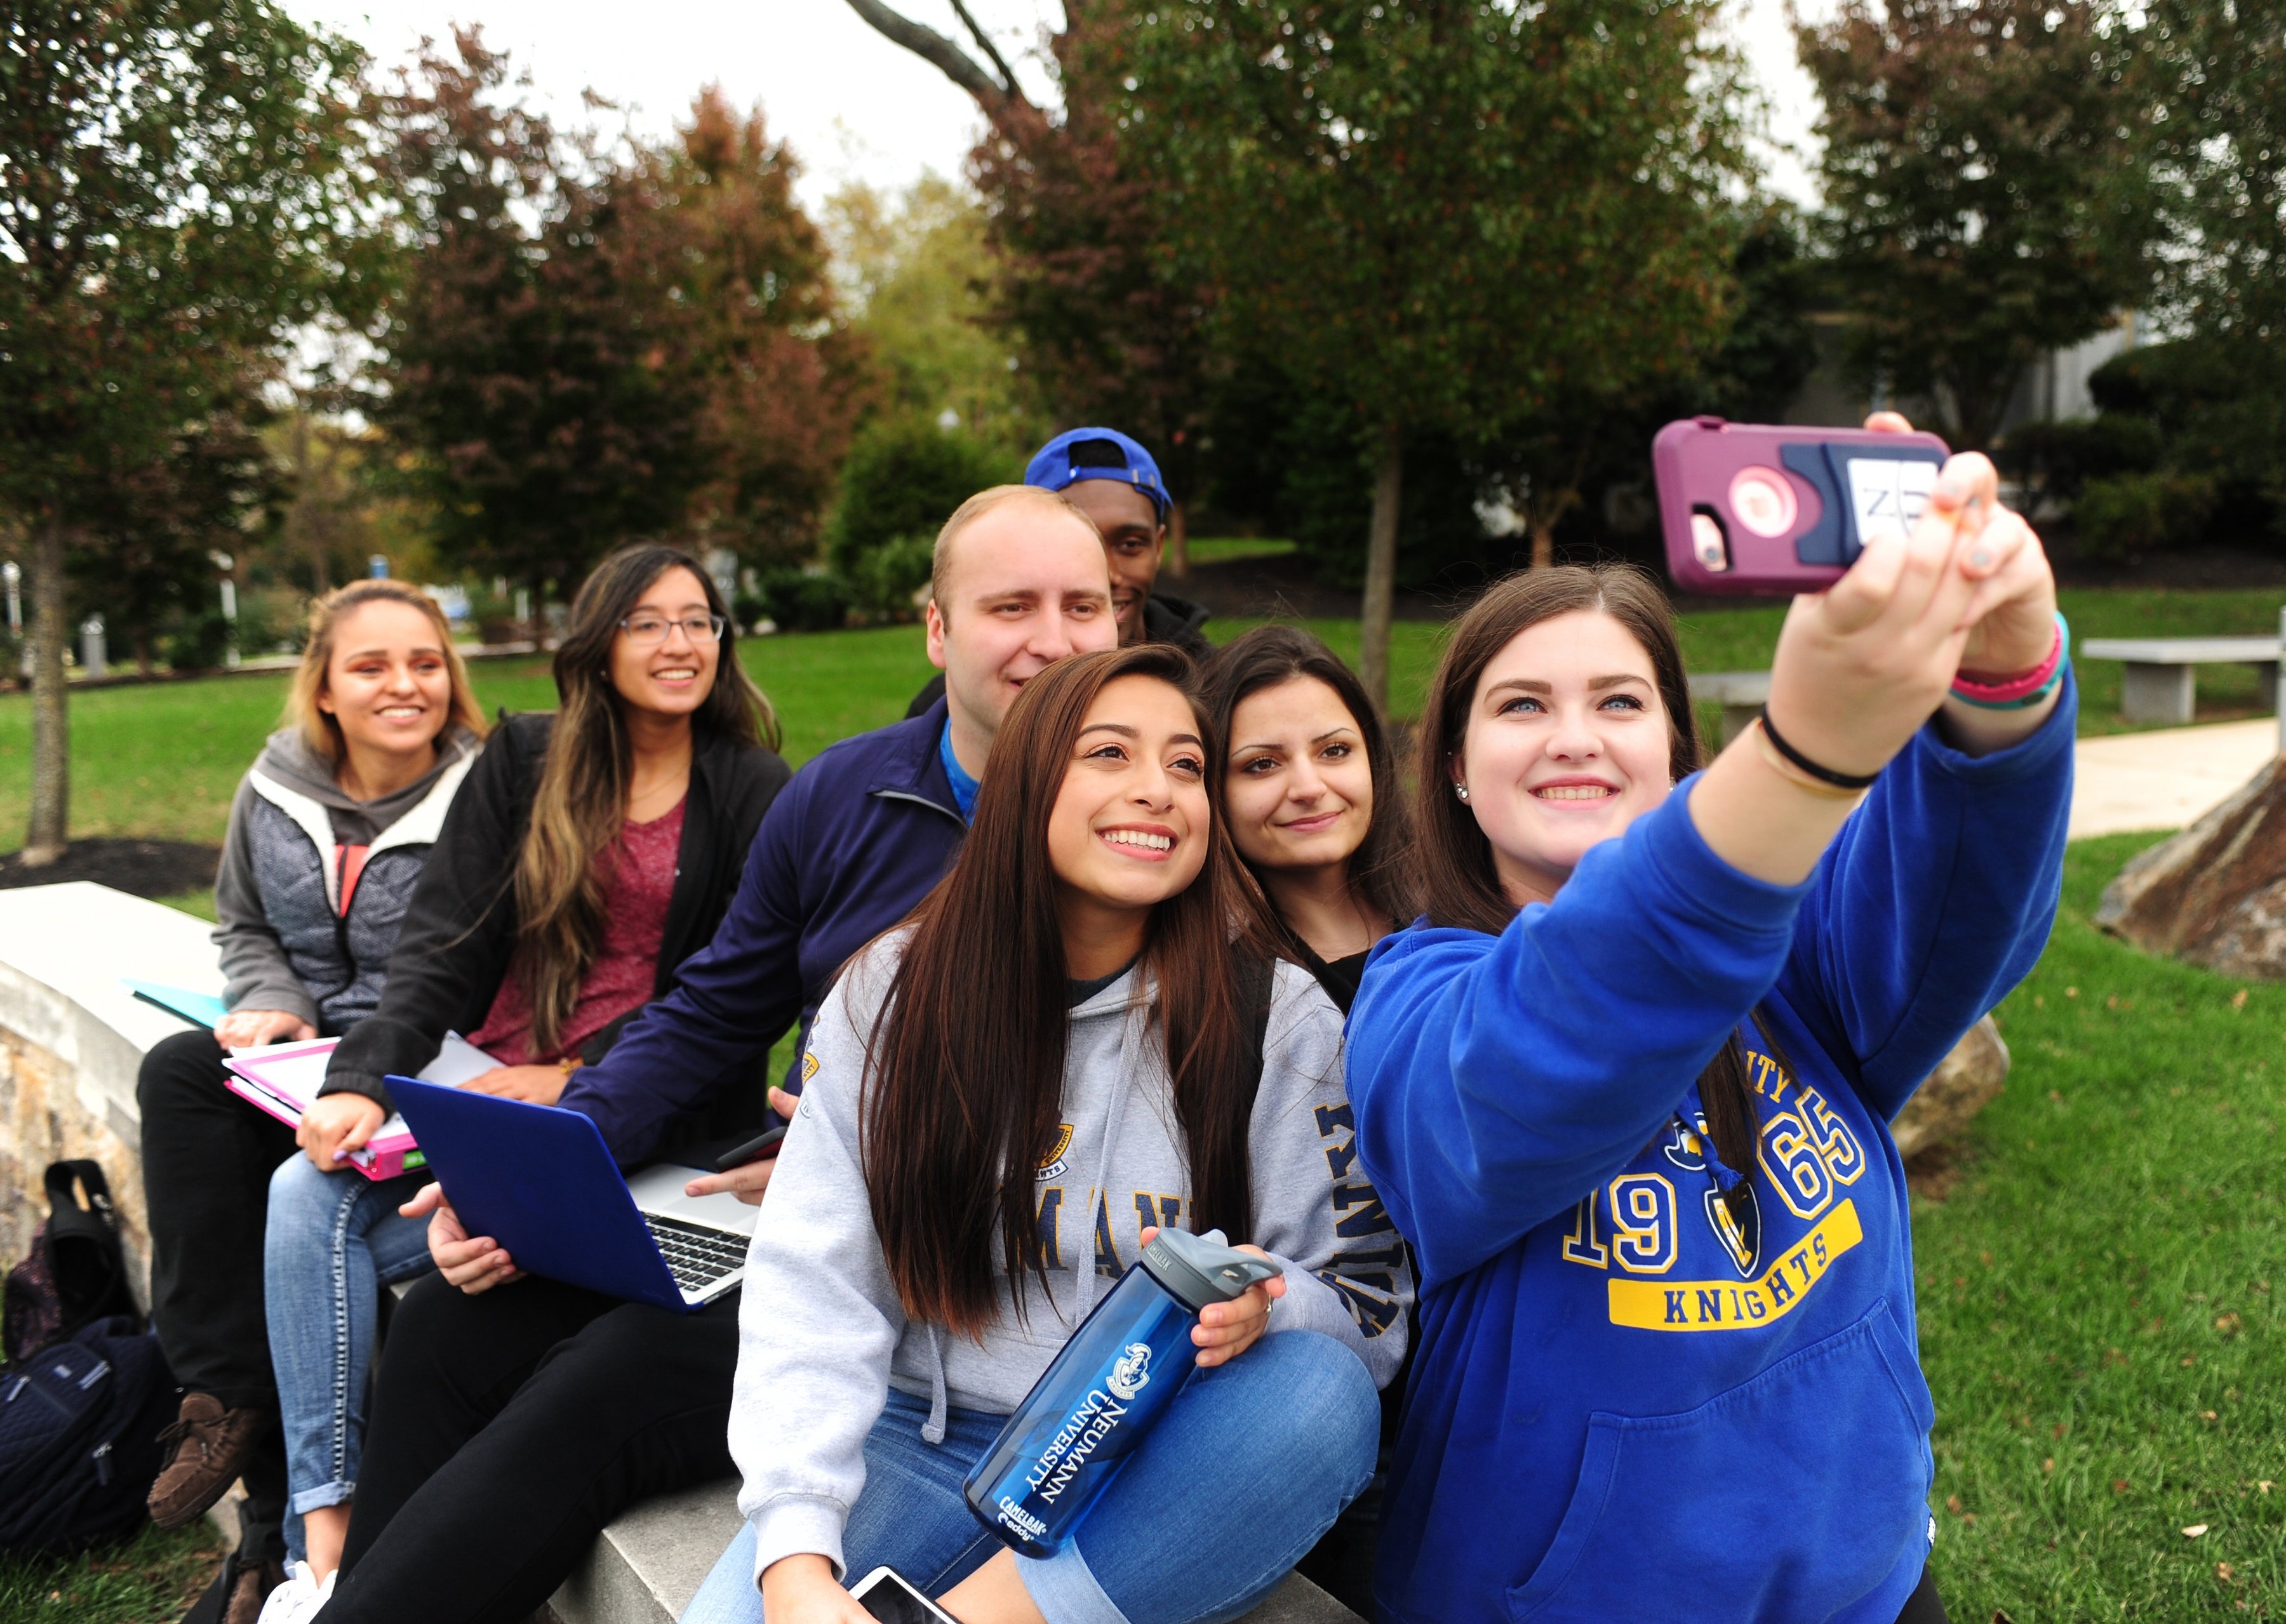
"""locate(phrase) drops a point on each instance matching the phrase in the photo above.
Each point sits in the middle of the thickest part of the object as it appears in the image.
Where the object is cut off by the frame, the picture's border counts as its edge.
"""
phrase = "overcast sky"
(853, 105)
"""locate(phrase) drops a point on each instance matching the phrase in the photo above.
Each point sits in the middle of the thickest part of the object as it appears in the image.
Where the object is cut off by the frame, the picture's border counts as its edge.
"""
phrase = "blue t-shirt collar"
(964, 786)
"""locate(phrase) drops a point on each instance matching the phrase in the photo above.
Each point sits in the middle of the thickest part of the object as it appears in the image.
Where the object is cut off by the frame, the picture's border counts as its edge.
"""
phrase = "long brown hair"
(1380, 868)
(966, 1064)
(1459, 886)
(319, 728)
(582, 797)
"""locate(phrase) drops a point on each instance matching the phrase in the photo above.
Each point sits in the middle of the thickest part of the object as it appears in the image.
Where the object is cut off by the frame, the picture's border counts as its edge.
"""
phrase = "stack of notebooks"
(283, 1078)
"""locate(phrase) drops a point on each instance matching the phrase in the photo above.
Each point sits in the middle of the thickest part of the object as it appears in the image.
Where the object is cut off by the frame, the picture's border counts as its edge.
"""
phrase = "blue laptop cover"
(540, 1180)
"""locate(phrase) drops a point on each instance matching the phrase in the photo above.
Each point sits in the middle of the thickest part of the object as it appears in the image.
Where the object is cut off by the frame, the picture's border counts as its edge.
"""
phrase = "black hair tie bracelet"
(1823, 774)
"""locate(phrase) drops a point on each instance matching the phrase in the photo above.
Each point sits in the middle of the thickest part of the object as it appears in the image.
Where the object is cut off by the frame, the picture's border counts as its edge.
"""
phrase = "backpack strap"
(84, 1259)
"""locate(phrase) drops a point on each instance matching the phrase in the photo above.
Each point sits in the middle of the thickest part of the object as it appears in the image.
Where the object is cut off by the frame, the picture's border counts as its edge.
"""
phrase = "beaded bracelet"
(2025, 690)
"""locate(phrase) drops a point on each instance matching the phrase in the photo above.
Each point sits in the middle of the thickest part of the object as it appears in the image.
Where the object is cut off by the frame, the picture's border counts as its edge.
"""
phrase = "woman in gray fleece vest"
(327, 834)
(992, 1128)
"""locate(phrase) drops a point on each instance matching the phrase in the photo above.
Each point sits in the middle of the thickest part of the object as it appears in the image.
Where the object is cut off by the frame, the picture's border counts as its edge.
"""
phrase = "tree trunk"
(46, 839)
(1178, 541)
(1543, 544)
(143, 652)
(1381, 567)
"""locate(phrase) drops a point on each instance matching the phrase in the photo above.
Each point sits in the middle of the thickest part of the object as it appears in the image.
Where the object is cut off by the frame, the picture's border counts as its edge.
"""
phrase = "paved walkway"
(2167, 778)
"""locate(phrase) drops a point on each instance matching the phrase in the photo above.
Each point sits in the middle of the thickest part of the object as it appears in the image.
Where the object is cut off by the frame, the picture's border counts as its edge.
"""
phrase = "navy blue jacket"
(1629, 1402)
(865, 831)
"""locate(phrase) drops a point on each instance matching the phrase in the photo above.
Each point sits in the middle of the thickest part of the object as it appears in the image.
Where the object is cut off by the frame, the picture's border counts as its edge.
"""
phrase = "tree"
(658, 356)
(912, 269)
(537, 372)
(1985, 198)
(712, 220)
(1111, 329)
(152, 532)
(181, 181)
(1452, 215)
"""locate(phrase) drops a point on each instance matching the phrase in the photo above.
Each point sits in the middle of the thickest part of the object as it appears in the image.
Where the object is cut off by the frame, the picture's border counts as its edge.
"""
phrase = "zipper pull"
(102, 1459)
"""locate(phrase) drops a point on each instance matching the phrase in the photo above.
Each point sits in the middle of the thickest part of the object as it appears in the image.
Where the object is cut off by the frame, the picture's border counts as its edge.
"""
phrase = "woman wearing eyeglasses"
(590, 853)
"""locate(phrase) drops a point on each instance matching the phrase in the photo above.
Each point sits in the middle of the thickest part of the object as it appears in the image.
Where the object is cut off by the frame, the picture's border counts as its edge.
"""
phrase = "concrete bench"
(649, 1564)
(1741, 694)
(2157, 683)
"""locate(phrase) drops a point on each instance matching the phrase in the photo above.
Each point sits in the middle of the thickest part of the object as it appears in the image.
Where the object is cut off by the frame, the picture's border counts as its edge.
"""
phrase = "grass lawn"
(2099, 1315)
(161, 760)
(153, 1578)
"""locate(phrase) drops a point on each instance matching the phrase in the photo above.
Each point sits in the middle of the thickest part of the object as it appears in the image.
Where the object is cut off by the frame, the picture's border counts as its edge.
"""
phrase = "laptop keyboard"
(695, 1256)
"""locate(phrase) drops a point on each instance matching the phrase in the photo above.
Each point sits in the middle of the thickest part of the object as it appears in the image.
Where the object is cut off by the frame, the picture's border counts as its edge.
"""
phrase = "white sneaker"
(299, 1598)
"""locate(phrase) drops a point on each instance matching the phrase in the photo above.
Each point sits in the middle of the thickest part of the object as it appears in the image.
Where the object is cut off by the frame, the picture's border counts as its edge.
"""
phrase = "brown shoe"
(209, 1444)
(250, 1587)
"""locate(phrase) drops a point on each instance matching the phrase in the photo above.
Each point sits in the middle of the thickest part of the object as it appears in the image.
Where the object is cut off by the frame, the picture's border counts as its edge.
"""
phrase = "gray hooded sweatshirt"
(823, 1336)
(287, 942)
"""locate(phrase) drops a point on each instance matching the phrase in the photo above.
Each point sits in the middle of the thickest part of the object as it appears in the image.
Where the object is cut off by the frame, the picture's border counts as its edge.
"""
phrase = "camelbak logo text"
(1021, 1520)
(1098, 1416)
(1132, 1373)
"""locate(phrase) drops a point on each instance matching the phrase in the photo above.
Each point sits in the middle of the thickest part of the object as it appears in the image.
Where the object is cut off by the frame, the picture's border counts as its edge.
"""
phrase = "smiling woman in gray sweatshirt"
(990, 1128)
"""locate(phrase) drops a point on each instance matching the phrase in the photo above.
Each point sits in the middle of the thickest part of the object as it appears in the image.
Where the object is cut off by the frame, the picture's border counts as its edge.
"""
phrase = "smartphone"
(1768, 510)
(886, 1594)
(753, 1150)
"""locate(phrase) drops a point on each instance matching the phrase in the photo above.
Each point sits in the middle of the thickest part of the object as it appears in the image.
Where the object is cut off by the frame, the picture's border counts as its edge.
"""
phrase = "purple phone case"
(1767, 491)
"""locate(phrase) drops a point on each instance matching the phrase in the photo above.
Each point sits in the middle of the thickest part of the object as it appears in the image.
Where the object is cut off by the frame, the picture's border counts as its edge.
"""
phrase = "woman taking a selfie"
(327, 835)
(1310, 789)
(934, 1228)
(592, 851)
(1626, 1090)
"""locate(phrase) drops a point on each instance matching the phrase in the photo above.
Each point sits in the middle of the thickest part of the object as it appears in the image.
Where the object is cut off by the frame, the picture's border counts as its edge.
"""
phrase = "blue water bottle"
(1113, 1381)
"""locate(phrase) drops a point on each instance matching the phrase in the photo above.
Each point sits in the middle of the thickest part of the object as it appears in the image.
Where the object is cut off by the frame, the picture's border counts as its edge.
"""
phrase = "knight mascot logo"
(1131, 1372)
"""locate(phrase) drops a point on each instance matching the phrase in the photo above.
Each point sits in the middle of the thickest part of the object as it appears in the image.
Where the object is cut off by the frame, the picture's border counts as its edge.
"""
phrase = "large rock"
(1964, 1083)
(2214, 894)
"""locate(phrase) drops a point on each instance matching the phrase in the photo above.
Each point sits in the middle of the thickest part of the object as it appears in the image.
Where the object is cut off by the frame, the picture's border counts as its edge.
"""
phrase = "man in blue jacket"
(511, 1424)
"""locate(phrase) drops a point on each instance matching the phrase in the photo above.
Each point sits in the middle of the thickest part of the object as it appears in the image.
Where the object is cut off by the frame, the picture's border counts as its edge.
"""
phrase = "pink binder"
(283, 1078)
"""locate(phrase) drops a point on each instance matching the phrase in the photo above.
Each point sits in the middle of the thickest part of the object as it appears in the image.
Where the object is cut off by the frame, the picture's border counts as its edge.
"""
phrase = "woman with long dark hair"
(328, 832)
(591, 853)
(1628, 1088)
(1311, 791)
(1007, 1097)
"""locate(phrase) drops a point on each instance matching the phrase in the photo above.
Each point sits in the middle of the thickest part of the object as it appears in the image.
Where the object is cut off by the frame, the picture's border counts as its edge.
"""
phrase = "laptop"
(540, 1180)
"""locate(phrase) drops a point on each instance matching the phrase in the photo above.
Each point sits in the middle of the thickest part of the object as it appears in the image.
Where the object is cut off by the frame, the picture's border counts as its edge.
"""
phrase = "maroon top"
(641, 864)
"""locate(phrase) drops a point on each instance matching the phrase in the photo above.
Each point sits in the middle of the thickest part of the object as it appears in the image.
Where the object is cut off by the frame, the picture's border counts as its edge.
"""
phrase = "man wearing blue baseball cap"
(1111, 478)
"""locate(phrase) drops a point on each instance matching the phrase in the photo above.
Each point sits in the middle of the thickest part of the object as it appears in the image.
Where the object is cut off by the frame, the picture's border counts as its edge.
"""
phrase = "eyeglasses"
(644, 630)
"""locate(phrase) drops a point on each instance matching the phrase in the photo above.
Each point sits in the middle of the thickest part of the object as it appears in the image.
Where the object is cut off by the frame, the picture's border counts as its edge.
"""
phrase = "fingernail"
(1980, 558)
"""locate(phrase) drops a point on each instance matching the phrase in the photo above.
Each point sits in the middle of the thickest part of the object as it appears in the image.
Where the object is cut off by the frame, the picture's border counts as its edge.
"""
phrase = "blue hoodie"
(865, 831)
(1624, 1405)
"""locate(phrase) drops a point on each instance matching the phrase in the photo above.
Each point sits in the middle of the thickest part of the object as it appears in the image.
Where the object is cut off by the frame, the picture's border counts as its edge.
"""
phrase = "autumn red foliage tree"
(660, 357)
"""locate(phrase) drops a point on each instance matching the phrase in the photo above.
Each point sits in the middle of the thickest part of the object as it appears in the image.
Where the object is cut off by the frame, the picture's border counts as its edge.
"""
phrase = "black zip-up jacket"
(462, 927)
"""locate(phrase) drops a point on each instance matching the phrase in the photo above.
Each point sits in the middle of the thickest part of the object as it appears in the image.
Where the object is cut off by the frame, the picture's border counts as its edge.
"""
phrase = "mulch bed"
(140, 868)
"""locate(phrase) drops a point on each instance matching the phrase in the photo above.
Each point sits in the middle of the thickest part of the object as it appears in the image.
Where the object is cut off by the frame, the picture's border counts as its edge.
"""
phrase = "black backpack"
(79, 1437)
(77, 1273)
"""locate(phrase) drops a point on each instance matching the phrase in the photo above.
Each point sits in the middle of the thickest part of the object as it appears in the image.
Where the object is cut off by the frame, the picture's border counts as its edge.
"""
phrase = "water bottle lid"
(1201, 1269)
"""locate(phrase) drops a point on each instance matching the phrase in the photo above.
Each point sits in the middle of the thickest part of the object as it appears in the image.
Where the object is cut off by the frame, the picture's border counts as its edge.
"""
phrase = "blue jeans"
(333, 1241)
(1247, 1467)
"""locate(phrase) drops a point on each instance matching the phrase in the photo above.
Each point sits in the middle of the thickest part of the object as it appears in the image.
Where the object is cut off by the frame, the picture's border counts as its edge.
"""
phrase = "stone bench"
(1741, 694)
(649, 1564)
(71, 1041)
(2157, 682)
